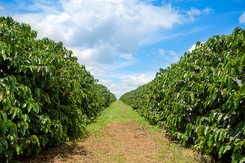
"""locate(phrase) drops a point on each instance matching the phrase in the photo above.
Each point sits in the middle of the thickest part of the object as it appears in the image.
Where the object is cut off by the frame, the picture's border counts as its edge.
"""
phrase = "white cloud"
(192, 48)
(161, 52)
(105, 82)
(195, 12)
(208, 10)
(174, 57)
(170, 55)
(120, 82)
(242, 18)
(129, 82)
(127, 56)
(95, 70)
(98, 55)
(99, 30)
(119, 90)
(136, 80)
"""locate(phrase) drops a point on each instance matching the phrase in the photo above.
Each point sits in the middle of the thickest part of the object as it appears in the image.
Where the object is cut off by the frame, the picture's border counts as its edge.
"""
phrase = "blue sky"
(123, 43)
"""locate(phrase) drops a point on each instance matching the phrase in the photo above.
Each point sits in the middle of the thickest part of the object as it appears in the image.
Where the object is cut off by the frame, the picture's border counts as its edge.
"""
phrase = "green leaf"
(12, 84)
(14, 111)
(34, 140)
(25, 117)
(2, 148)
(5, 143)
(210, 141)
(200, 130)
(227, 148)
(242, 89)
(36, 107)
(30, 106)
(206, 131)
(24, 105)
(2, 51)
(43, 141)
(216, 134)
(4, 115)
(221, 151)
(23, 128)
(5, 123)
(18, 149)
(228, 83)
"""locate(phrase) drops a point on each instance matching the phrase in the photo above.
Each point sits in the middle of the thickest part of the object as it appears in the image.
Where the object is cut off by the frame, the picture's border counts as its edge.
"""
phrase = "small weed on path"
(119, 134)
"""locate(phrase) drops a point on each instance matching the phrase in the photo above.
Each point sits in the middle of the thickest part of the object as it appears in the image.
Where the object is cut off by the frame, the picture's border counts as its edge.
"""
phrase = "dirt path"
(123, 142)
(119, 141)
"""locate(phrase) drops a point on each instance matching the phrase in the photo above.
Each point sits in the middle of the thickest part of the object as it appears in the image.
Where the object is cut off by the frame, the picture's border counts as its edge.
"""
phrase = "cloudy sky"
(123, 43)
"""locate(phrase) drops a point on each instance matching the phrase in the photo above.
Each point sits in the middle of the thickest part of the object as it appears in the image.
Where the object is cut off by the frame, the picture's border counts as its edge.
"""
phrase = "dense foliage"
(46, 97)
(201, 99)
(107, 97)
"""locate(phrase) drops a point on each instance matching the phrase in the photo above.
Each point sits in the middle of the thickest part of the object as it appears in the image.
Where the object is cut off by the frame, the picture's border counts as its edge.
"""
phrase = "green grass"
(114, 113)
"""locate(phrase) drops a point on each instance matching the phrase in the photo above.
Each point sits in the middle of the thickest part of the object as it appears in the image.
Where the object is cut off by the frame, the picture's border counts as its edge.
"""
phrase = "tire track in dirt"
(125, 109)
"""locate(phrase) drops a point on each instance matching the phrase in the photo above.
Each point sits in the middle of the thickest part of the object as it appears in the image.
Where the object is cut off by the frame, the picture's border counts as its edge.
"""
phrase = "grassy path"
(119, 134)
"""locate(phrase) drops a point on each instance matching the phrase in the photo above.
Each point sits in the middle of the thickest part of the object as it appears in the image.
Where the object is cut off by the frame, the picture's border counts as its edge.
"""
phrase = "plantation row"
(201, 99)
(46, 97)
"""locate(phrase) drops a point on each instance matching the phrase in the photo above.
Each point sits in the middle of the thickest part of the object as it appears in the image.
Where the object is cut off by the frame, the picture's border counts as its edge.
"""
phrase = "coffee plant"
(46, 97)
(200, 100)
